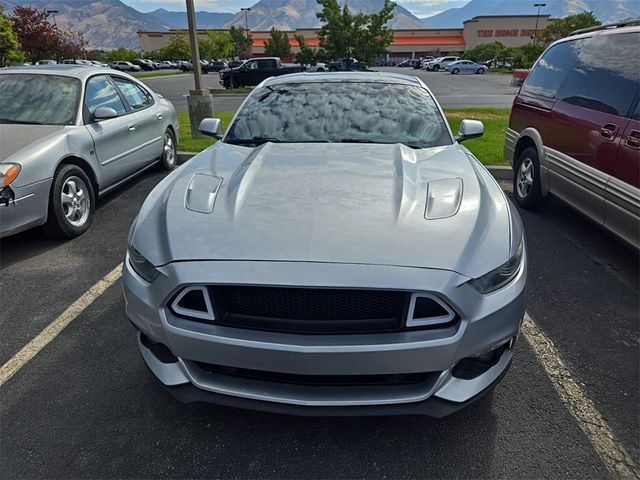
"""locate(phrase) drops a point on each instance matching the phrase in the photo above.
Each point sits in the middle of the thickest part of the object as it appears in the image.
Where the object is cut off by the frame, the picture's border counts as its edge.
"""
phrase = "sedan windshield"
(38, 99)
(349, 112)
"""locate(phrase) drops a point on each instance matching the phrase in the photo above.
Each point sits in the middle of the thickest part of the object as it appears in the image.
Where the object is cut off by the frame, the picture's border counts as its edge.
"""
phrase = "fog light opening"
(159, 350)
(472, 367)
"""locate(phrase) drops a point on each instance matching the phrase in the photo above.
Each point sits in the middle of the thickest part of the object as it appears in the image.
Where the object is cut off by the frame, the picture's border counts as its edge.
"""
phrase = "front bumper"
(486, 322)
(29, 209)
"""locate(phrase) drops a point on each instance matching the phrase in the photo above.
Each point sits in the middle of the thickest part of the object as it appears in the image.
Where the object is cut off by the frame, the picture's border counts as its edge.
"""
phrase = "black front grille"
(320, 380)
(309, 310)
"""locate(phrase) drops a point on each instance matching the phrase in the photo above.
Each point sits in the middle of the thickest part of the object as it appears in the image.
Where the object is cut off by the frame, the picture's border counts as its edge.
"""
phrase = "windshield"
(38, 99)
(362, 112)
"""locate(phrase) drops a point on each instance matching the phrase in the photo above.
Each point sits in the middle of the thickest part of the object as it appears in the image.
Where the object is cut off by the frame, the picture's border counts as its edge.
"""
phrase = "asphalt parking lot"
(452, 91)
(85, 406)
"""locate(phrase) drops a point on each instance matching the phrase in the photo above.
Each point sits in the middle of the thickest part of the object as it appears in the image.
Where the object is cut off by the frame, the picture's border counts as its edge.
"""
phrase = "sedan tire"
(527, 189)
(455, 71)
(71, 203)
(169, 152)
(480, 71)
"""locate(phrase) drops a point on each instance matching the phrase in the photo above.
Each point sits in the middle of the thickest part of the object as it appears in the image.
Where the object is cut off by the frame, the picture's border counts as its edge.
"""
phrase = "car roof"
(314, 77)
(68, 70)
(603, 30)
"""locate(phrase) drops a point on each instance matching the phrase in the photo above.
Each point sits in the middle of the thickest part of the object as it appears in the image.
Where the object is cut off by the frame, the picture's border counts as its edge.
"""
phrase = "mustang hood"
(345, 203)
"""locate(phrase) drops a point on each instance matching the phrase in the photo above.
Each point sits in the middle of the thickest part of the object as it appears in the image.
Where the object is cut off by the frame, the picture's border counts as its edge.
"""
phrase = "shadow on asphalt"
(28, 244)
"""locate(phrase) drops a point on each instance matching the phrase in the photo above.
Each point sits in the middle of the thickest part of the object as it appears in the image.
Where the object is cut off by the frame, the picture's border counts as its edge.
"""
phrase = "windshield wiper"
(253, 141)
(23, 122)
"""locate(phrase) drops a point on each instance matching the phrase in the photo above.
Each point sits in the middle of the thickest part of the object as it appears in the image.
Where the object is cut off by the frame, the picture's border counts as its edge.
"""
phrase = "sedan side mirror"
(470, 129)
(211, 127)
(104, 113)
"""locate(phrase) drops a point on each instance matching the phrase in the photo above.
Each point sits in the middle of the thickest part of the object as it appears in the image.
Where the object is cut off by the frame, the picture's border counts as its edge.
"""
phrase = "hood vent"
(201, 192)
(443, 198)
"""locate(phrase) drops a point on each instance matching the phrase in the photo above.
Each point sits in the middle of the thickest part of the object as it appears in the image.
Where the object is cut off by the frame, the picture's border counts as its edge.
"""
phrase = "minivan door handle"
(608, 131)
(633, 140)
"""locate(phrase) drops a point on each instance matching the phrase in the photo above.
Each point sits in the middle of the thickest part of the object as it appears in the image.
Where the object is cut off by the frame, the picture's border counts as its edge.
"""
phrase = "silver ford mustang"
(338, 252)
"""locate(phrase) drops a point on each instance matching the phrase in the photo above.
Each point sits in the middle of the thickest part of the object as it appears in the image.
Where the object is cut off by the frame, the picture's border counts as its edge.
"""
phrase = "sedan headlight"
(141, 265)
(8, 173)
(501, 276)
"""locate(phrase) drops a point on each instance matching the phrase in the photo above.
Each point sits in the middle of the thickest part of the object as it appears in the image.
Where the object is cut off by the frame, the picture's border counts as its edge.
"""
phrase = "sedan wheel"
(480, 71)
(169, 152)
(71, 203)
(455, 71)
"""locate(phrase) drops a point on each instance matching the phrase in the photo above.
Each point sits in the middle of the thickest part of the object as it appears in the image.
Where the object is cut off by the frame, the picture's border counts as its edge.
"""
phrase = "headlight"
(8, 173)
(141, 265)
(501, 276)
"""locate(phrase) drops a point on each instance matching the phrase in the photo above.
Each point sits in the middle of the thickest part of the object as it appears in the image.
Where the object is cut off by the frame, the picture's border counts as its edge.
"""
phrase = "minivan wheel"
(527, 189)
(71, 203)
(169, 152)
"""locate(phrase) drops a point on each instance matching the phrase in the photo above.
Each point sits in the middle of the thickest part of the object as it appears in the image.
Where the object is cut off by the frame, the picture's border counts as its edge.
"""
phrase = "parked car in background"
(574, 130)
(260, 274)
(255, 70)
(69, 134)
(46, 62)
(214, 66)
(236, 63)
(317, 67)
(125, 66)
(466, 66)
(166, 65)
(72, 61)
(439, 63)
(99, 64)
(424, 61)
(146, 65)
(347, 65)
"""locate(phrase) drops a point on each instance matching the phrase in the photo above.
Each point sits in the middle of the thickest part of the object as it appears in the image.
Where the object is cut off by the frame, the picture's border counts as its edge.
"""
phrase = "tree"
(563, 27)
(38, 38)
(277, 45)
(178, 48)
(9, 46)
(241, 43)
(217, 45)
(347, 35)
(485, 52)
(306, 55)
(122, 54)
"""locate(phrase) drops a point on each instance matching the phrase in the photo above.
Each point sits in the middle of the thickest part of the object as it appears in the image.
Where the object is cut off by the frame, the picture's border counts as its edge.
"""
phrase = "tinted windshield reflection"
(340, 112)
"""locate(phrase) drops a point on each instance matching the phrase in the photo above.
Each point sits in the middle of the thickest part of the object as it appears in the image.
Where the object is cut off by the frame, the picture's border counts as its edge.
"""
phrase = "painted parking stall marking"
(51, 331)
(604, 441)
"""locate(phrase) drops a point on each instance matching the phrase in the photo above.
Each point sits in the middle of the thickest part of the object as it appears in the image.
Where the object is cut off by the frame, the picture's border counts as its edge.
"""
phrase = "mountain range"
(108, 24)
(604, 10)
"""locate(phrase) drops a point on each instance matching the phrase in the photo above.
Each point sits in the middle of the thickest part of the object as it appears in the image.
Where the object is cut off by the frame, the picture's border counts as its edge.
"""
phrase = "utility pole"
(246, 19)
(200, 100)
(535, 32)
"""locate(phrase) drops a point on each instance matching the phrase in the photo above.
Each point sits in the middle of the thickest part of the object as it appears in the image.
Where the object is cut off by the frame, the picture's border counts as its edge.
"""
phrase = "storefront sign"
(509, 32)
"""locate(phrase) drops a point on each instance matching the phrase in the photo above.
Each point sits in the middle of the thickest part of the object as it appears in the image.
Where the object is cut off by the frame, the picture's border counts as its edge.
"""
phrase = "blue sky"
(421, 8)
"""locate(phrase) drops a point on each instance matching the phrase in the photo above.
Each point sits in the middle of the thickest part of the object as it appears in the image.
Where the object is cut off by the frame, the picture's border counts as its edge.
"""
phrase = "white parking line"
(607, 446)
(52, 330)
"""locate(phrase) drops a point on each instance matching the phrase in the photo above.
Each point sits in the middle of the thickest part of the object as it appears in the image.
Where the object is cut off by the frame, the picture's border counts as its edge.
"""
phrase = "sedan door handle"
(633, 140)
(159, 116)
(132, 128)
(608, 130)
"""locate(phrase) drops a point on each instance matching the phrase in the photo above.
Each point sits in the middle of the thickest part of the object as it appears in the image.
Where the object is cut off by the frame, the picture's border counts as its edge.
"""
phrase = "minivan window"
(550, 71)
(602, 77)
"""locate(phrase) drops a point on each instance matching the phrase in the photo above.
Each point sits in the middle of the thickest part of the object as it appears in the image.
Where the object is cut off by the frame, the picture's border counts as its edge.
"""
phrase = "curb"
(499, 172)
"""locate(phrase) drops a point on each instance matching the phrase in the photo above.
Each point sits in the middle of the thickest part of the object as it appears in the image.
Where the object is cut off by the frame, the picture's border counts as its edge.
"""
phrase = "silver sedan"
(68, 134)
(466, 66)
(338, 252)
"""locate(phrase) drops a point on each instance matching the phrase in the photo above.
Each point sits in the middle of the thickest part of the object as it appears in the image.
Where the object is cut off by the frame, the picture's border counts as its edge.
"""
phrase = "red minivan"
(574, 130)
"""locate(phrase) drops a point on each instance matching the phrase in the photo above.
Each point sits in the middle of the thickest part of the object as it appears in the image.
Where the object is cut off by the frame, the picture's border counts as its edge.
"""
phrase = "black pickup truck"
(255, 70)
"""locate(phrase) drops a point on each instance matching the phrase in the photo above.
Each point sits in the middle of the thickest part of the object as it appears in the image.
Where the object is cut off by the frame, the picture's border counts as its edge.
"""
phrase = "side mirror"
(104, 113)
(470, 129)
(211, 127)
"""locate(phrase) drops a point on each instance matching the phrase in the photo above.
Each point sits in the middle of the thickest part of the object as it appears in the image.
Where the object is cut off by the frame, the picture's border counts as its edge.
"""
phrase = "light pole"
(535, 32)
(246, 19)
(200, 100)
(53, 14)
